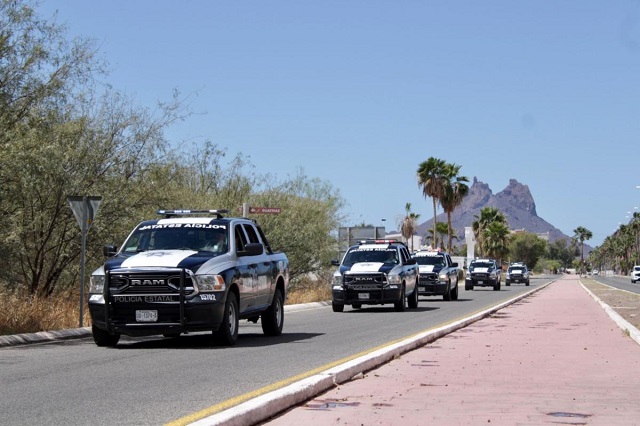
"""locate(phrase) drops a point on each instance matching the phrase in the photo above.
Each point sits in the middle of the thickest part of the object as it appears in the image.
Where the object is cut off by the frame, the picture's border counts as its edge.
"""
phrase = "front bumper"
(195, 315)
(348, 296)
(481, 280)
(431, 287)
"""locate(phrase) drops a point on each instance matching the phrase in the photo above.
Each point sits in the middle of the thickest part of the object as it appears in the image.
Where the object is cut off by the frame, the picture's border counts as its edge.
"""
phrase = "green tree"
(495, 240)
(488, 215)
(455, 190)
(431, 180)
(582, 234)
(526, 247)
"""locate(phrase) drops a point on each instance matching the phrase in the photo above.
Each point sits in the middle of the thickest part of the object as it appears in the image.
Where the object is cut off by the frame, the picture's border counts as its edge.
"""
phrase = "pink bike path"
(555, 357)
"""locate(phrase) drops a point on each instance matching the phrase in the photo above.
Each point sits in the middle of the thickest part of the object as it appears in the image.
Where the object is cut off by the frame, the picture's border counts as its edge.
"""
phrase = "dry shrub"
(306, 290)
(20, 313)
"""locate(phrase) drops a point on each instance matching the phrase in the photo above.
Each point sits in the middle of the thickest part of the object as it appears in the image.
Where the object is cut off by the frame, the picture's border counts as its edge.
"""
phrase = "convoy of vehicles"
(191, 270)
(375, 272)
(439, 275)
(197, 270)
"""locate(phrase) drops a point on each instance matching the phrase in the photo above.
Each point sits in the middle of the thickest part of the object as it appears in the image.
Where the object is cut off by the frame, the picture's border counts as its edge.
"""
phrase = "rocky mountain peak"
(517, 194)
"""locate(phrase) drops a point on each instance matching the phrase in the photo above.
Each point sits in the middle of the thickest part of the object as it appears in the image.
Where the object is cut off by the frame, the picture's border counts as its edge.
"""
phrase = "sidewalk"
(555, 357)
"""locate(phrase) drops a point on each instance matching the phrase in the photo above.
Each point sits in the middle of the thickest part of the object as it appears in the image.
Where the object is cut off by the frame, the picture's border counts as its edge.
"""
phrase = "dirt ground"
(625, 303)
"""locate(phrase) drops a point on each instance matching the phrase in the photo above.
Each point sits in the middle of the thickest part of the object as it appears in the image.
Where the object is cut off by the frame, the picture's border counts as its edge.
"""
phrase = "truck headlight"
(337, 281)
(394, 279)
(96, 284)
(210, 282)
(443, 277)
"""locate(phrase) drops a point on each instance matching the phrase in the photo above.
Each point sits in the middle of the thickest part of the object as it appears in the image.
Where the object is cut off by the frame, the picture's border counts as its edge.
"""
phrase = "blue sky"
(358, 93)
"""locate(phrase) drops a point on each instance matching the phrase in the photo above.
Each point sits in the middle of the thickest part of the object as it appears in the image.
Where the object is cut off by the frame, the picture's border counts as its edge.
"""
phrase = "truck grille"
(427, 278)
(141, 283)
(365, 281)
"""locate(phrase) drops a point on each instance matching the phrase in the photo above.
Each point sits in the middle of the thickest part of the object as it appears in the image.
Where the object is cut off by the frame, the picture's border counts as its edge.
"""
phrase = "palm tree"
(430, 180)
(496, 240)
(582, 234)
(409, 224)
(487, 216)
(454, 192)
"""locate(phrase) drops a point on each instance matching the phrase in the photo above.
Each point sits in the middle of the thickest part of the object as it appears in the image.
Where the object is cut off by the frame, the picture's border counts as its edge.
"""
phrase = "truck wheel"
(337, 307)
(507, 283)
(103, 338)
(496, 286)
(447, 293)
(401, 304)
(454, 293)
(468, 287)
(527, 283)
(273, 317)
(413, 299)
(227, 334)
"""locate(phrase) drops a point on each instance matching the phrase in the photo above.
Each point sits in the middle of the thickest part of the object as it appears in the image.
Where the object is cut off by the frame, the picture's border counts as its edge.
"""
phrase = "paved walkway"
(555, 357)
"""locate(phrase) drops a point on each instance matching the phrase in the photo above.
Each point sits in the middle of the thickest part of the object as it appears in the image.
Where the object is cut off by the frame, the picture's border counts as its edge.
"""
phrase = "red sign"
(265, 210)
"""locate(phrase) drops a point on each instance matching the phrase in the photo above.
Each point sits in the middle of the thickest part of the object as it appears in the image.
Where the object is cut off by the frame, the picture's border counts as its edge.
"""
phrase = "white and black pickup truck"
(191, 270)
(375, 272)
(439, 275)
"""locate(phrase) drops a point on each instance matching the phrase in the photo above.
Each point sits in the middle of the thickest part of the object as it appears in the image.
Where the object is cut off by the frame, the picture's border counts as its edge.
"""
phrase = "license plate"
(147, 316)
(480, 282)
(363, 296)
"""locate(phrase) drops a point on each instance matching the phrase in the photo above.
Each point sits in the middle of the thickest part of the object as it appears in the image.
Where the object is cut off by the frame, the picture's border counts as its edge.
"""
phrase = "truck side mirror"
(335, 262)
(109, 250)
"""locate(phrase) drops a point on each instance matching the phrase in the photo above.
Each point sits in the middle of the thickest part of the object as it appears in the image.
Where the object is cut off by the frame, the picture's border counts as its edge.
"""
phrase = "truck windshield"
(430, 260)
(177, 238)
(376, 256)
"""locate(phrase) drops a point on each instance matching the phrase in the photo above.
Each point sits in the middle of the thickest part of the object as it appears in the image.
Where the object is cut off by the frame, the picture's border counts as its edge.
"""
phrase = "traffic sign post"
(84, 209)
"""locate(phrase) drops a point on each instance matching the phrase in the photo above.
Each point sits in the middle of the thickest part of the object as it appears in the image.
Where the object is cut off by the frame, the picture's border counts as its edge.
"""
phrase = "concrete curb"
(625, 325)
(44, 336)
(268, 405)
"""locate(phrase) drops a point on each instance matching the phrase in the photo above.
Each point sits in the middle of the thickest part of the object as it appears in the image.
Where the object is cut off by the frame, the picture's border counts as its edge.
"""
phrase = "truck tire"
(401, 304)
(103, 338)
(273, 317)
(468, 287)
(447, 292)
(507, 282)
(496, 286)
(227, 334)
(527, 283)
(454, 293)
(413, 299)
(337, 307)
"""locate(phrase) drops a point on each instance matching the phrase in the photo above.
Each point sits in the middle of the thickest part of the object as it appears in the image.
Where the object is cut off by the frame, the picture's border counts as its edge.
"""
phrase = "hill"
(515, 202)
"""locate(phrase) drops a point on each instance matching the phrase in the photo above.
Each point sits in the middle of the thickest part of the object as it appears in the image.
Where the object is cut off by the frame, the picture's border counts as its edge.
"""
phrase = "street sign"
(84, 209)
(265, 210)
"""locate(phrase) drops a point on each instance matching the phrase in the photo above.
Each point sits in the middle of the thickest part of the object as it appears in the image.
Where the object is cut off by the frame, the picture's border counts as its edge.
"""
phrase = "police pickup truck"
(191, 270)
(375, 272)
(439, 275)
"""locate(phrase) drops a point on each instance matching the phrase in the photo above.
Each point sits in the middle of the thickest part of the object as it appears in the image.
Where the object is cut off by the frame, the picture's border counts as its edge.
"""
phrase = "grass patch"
(20, 313)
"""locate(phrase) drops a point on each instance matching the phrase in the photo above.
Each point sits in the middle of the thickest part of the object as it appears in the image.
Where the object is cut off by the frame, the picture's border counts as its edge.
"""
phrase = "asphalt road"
(618, 281)
(157, 380)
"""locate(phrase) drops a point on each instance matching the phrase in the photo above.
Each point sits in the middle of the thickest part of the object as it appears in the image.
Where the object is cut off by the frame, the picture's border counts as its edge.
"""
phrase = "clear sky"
(358, 92)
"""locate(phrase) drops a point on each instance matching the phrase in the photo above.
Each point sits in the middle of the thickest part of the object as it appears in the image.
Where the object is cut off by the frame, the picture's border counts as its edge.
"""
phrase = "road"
(618, 281)
(157, 380)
